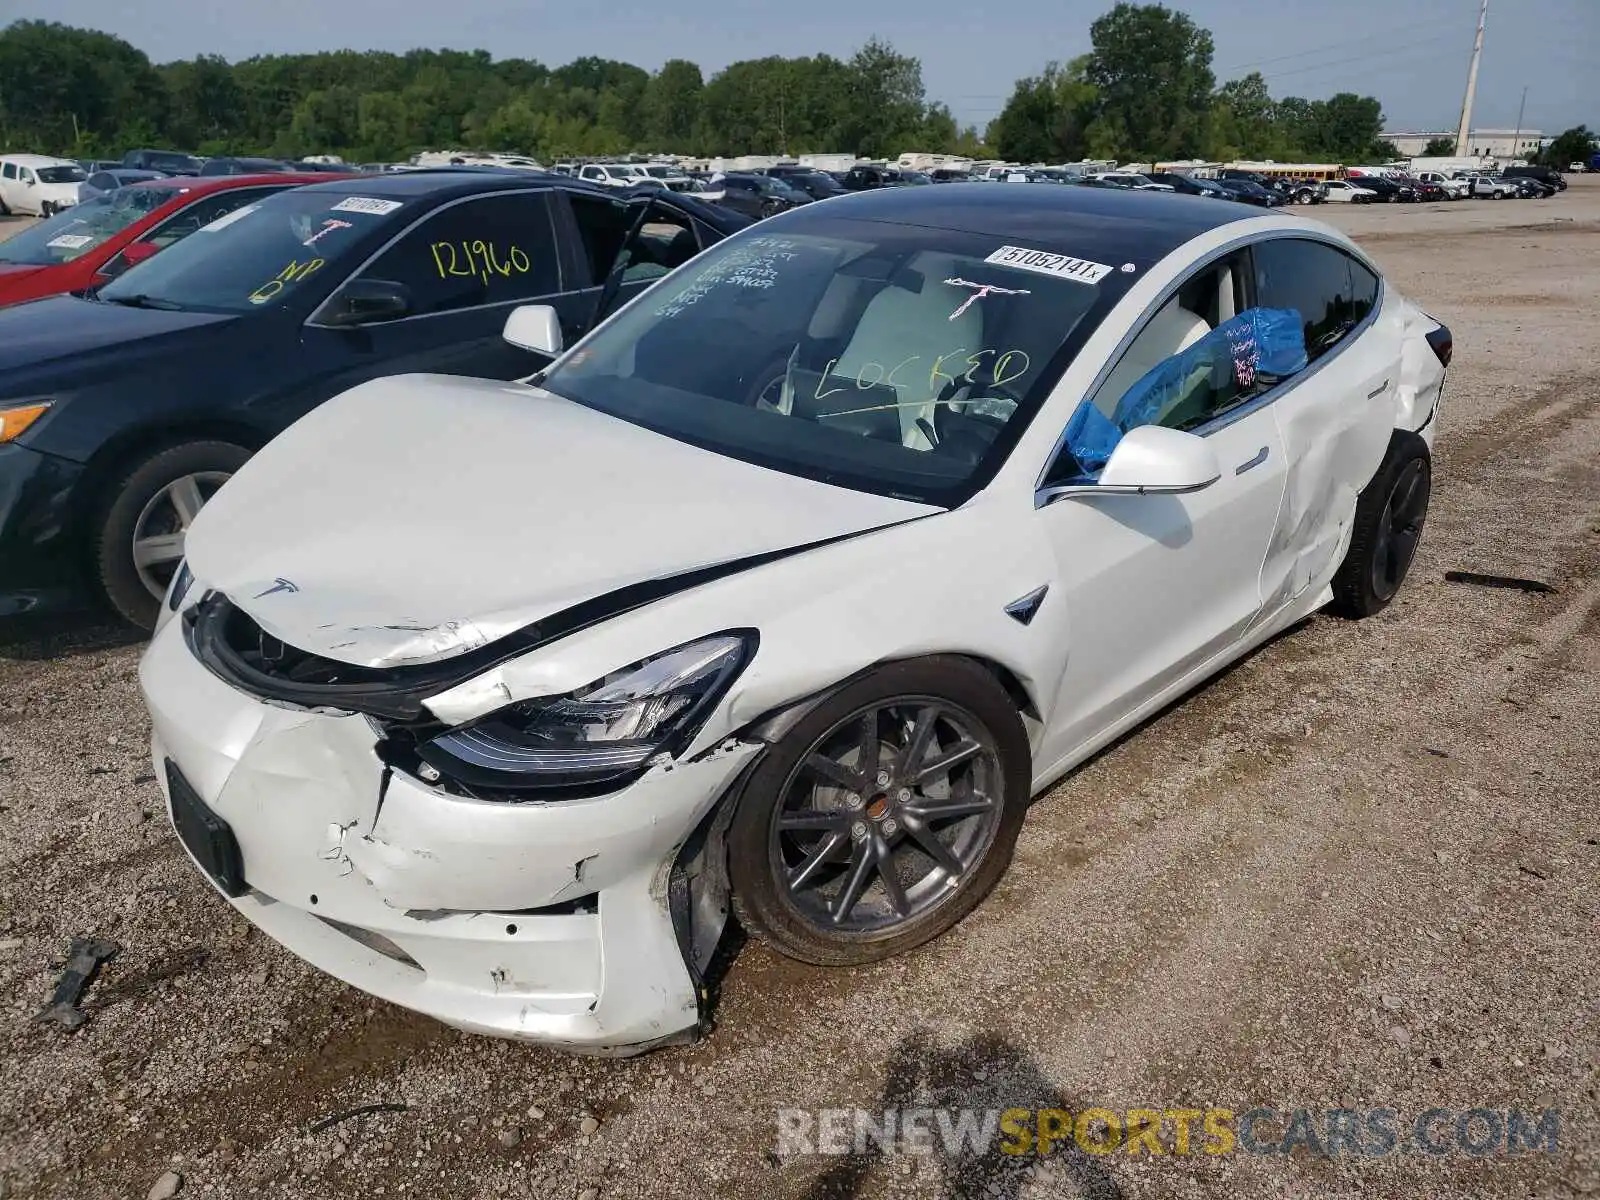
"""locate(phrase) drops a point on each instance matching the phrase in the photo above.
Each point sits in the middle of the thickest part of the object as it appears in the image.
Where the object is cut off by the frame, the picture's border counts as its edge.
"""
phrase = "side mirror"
(366, 302)
(1154, 459)
(534, 327)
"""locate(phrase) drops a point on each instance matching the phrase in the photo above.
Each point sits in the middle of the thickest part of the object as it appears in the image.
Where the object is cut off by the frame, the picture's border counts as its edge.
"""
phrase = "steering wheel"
(983, 387)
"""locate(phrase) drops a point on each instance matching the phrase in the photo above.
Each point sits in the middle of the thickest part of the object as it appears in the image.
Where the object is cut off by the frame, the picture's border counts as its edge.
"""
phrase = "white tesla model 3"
(780, 594)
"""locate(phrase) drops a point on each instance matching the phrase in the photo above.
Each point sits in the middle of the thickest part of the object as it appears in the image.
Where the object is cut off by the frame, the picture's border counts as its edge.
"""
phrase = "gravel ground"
(1358, 870)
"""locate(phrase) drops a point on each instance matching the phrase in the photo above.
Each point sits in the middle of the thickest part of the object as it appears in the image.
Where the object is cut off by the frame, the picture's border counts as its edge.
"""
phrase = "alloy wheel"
(163, 524)
(886, 815)
(1400, 529)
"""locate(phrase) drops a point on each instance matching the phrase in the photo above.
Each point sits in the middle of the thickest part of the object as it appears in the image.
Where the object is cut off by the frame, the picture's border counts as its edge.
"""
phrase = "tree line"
(1145, 91)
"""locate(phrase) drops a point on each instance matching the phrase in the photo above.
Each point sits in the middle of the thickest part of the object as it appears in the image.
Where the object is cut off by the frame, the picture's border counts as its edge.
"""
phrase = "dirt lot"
(1360, 870)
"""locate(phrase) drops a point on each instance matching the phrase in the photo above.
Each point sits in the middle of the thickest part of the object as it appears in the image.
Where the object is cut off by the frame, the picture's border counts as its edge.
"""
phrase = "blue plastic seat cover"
(1258, 342)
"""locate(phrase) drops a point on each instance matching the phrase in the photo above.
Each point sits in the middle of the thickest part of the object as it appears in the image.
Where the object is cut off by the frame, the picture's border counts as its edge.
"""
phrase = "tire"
(139, 506)
(46, 210)
(1390, 513)
(896, 819)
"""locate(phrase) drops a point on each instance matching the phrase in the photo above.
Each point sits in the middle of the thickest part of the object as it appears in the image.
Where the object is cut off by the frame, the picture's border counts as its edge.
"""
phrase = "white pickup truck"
(1495, 187)
(1455, 189)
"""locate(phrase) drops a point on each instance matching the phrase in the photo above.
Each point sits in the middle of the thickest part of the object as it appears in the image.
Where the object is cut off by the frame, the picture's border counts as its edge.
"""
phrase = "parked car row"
(42, 185)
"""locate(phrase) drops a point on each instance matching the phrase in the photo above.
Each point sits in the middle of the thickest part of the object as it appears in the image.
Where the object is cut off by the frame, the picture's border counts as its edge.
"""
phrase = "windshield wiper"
(144, 300)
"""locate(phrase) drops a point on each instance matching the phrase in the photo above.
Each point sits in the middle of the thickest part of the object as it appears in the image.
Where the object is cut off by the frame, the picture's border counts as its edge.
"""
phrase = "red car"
(98, 239)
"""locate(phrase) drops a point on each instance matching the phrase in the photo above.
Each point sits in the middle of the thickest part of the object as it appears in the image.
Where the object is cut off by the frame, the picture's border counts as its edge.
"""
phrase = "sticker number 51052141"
(1047, 262)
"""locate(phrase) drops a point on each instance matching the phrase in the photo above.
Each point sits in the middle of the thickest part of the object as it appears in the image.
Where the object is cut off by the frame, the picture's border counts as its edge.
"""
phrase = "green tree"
(1572, 145)
(62, 88)
(1047, 117)
(886, 101)
(1439, 147)
(1244, 120)
(672, 105)
(1347, 127)
(1152, 68)
(204, 99)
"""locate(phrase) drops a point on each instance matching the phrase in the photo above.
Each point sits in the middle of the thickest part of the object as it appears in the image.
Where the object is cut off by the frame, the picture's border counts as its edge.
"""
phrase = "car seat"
(1171, 331)
(913, 319)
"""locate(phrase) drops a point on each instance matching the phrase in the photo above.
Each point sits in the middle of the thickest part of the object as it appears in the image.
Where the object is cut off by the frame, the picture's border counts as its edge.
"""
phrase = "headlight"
(15, 420)
(598, 734)
(182, 579)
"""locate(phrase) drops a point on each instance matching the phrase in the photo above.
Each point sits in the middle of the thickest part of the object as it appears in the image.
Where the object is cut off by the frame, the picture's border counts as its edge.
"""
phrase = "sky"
(1412, 56)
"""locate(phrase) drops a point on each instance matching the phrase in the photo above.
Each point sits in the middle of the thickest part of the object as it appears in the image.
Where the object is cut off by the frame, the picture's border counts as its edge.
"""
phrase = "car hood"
(419, 517)
(65, 328)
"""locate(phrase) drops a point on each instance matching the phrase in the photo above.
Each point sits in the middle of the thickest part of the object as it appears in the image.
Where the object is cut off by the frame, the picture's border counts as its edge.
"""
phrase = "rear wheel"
(138, 538)
(1388, 528)
(884, 816)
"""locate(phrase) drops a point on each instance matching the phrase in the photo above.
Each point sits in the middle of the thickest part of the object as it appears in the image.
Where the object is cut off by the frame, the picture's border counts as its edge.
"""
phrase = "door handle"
(1260, 457)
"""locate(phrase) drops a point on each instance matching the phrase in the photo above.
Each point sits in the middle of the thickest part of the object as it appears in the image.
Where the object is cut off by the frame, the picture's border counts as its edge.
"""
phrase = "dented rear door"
(1337, 416)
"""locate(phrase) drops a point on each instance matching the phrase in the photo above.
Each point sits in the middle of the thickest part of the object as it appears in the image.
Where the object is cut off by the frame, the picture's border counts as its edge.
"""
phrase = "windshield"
(893, 359)
(72, 174)
(259, 255)
(80, 229)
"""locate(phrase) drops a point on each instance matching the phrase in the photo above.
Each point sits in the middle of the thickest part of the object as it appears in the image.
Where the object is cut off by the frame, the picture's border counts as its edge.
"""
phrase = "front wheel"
(884, 816)
(138, 538)
(1388, 528)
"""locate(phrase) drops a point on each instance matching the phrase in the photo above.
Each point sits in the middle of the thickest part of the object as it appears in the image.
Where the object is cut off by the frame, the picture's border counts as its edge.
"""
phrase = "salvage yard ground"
(1362, 869)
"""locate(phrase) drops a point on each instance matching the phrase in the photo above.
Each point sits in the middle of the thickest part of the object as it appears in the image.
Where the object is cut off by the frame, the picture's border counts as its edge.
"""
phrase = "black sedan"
(1189, 185)
(755, 196)
(1250, 193)
(819, 185)
(122, 411)
(1391, 191)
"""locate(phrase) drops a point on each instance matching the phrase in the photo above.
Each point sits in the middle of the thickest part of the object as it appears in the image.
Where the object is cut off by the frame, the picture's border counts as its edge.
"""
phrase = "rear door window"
(489, 250)
(602, 225)
(1330, 290)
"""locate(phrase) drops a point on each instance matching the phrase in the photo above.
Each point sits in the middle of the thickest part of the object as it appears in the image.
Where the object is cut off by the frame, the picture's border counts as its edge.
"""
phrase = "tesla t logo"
(980, 290)
(279, 585)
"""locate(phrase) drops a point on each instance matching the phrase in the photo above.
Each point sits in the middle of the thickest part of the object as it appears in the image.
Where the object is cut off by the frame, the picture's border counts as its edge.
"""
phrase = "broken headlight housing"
(600, 734)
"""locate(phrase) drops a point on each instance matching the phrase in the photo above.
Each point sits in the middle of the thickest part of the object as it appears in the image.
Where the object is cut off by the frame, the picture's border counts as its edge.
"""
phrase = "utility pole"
(1516, 138)
(1472, 84)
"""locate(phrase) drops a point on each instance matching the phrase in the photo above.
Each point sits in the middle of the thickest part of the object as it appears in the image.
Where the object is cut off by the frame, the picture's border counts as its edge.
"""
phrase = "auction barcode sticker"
(368, 205)
(70, 241)
(1046, 262)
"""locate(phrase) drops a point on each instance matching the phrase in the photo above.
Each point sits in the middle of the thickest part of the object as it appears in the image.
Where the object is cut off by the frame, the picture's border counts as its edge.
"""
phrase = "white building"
(1493, 143)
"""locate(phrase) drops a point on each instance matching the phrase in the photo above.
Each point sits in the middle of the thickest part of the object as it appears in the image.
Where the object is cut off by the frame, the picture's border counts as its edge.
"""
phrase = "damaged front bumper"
(548, 920)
